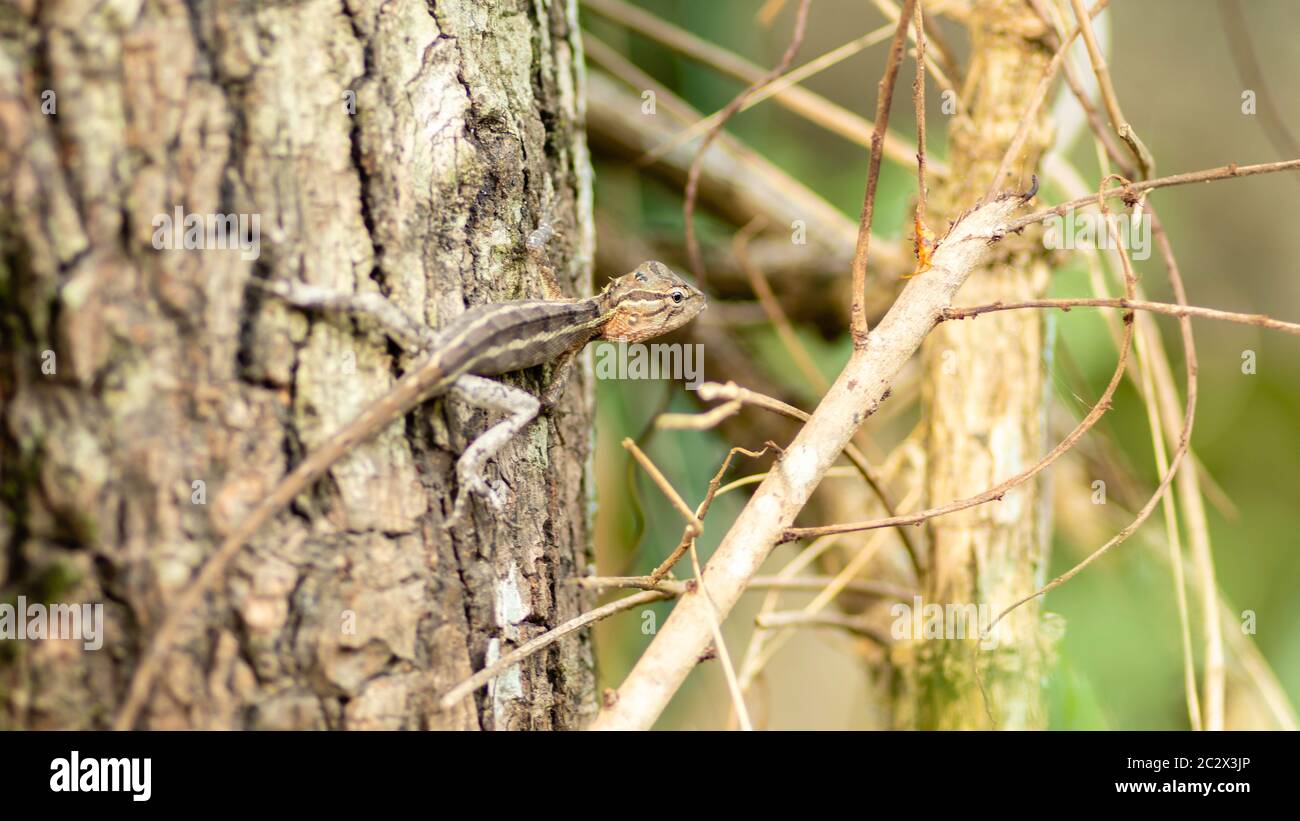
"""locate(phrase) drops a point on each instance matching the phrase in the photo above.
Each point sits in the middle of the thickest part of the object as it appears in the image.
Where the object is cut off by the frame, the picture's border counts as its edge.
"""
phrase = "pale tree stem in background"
(984, 415)
(859, 389)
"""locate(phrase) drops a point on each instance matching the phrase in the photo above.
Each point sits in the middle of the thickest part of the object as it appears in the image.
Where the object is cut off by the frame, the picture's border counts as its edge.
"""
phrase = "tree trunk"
(402, 146)
(984, 407)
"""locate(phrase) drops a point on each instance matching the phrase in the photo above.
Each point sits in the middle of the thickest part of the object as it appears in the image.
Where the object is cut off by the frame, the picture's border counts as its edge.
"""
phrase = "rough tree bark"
(403, 146)
(984, 408)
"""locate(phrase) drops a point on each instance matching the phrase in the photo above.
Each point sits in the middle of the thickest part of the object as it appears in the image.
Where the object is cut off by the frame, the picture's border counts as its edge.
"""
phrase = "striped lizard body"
(487, 340)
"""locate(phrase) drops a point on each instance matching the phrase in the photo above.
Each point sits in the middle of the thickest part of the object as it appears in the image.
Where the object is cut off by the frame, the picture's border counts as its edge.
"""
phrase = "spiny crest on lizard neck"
(648, 302)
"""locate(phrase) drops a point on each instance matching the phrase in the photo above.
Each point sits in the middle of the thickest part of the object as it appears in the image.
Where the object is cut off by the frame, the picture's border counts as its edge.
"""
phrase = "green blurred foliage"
(1119, 663)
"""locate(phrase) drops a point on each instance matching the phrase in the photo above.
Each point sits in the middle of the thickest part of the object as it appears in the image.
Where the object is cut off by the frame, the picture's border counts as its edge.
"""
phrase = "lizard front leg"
(559, 378)
(521, 407)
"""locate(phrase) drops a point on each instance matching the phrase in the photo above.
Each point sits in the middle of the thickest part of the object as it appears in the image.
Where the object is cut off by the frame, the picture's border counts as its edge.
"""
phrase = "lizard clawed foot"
(457, 512)
(492, 493)
(471, 466)
(474, 485)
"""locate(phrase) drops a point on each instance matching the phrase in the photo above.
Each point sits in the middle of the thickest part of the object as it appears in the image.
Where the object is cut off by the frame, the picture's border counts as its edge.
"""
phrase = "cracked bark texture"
(392, 145)
(984, 398)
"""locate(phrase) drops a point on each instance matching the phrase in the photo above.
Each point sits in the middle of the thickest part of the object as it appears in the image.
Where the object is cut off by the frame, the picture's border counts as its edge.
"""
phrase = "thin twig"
(670, 586)
(884, 97)
(1131, 191)
(1215, 679)
(1168, 309)
(1028, 118)
(764, 644)
(817, 583)
(918, 102)
(689, 534)
(947, 56)
(838, 472)
(1180, 451)
(940, 73)
(1065, 175)
(728, 671)
(737, 182)
(813, 107)
(763, 650)
(1130, 289)
(1122, 160)
(1145, 351)
(825, 114)
(693, 523)
(994, 493)
(772, 307)
(1108, 96)
(1189, 480)
(760, 640)
(997, 491)
(865, 587)
(730, 391)
(651, 592)
(693, 175)
(1150, 356)
(860, 387)
(856, 625)
(708, 420)
(1165, 398)
(523, 651)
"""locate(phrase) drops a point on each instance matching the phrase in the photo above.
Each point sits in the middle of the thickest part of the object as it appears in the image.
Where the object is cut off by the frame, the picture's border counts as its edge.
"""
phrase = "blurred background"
(1118, 665)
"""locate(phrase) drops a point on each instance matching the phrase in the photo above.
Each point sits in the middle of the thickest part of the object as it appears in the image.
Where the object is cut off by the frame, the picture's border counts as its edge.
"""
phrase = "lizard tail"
(406, 394)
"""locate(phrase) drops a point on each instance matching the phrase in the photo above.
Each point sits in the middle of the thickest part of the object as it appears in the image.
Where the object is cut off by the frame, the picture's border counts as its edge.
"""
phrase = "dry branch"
(526, 649)
(814, 107)
(735, 181)
(860, 388)
(862, 249)
(693, 174)
(1168, 309)
(1131, 191)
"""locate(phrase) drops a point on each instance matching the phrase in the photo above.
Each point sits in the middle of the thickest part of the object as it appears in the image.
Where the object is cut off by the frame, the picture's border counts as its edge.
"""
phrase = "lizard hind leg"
(521, 408)
(536, 244)
(412, 335)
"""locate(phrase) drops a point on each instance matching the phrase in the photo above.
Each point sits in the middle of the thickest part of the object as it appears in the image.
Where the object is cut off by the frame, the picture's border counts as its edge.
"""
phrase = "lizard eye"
(678, 296)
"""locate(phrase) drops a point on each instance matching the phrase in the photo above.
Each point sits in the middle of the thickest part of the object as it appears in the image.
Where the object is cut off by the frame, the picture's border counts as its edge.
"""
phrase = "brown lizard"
(487, 340)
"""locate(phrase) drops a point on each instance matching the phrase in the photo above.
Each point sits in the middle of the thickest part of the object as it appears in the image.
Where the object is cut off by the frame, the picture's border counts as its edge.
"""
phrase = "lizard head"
(648, 302)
